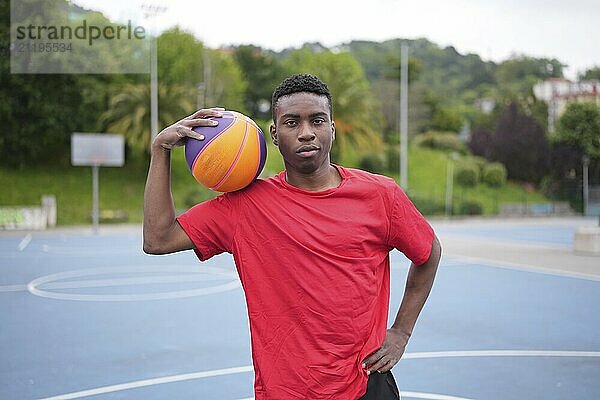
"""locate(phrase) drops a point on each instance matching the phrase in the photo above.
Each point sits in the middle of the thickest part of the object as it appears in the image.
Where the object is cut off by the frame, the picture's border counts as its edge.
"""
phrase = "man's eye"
(319, 121)
(290, 123)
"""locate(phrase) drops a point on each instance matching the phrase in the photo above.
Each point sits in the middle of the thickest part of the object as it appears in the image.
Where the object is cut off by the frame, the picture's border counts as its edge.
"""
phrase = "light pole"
(404, 116)
(201, 100)
(207, 74)
(152, 10)
(153, 90)
(586, 164)
(450, 182)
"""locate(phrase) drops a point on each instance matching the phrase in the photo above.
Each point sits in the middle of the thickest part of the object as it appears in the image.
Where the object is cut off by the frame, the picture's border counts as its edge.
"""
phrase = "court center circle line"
(78, 251)
(34, 287)
(248, 368)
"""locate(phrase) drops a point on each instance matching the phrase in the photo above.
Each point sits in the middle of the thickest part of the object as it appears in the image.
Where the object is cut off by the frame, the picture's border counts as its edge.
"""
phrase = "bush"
(494, 175)
(447, 118)
(467, 173)
(470, 207)
(480, 162)
(373, 162)
(111, 216)
(441, 141)
(196, 195)
(427, 205)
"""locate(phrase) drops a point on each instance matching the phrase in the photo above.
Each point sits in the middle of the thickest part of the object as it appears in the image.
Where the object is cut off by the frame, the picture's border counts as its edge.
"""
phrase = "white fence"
(35, 218)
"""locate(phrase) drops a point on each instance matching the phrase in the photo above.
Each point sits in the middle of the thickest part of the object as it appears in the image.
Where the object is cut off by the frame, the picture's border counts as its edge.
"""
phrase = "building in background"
(558, 92)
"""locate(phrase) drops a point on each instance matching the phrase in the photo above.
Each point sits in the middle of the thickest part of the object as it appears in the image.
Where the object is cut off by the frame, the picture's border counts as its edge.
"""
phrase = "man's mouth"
(307, 150)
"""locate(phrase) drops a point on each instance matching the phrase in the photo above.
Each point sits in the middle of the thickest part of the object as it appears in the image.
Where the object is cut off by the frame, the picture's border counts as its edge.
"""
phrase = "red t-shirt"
(315, 271)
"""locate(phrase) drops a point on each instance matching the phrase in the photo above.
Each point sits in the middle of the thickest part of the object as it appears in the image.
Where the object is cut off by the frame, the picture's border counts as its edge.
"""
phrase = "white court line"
(430, 396)
(248, 368)
(501, 353)
(40, 286)
(177, 294)
(73, 251)
(25, 242)
(524, 267)
(12, 288)
(43, 286)
(97, 283)
(150, 382)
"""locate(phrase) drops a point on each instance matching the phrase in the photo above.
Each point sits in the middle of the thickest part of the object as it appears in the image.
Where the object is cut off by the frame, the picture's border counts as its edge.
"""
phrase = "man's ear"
(273, 132)
(332, 131)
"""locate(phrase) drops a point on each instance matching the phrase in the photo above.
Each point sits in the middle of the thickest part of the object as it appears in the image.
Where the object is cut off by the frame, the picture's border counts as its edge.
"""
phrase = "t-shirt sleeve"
(409, 232)
(210, 226)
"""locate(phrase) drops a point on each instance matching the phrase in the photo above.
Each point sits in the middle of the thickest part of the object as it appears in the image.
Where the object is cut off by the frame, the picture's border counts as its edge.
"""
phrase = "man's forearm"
(418, 285)
(159, 209)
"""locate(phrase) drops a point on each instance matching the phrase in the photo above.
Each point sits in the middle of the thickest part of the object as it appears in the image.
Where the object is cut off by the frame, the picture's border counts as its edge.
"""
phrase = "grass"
(427, 178)
(123, 188)
(119, 188)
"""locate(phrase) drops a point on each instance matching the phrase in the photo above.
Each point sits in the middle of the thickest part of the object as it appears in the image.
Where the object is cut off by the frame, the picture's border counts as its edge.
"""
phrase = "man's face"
(303, 131)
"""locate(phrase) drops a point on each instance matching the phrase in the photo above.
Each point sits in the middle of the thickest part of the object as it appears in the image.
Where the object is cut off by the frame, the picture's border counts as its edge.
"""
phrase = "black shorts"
(381, 387)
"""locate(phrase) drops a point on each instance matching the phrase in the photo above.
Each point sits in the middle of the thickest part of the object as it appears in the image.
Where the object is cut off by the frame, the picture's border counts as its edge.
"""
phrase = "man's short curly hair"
(299, 83)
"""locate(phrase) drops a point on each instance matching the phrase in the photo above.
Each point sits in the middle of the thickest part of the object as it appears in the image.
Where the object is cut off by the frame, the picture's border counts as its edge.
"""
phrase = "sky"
(493, 29)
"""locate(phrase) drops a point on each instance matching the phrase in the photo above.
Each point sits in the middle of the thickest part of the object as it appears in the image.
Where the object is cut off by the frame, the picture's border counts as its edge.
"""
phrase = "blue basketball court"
(91, 316)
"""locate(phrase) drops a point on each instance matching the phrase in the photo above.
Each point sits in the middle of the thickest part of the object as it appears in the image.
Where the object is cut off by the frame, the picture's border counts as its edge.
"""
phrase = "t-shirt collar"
(325, 192)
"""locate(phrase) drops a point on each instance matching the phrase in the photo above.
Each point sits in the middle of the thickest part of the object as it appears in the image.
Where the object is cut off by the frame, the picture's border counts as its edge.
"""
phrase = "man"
(311, 246)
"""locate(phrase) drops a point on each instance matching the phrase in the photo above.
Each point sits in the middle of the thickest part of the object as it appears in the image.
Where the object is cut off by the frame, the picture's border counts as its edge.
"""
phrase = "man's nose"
(306, 134)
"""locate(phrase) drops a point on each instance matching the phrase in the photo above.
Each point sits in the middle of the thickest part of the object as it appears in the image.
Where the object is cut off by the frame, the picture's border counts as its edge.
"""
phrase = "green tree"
(393, 68)
(357, 117)
(212, 77)
(129, 112)
(39, 113)
(225, 85)
(520, 143)
(590, 74)
(387, 92)
(449, 74)
(447, 119)
(262, 72)
(179, 58)
(84, 55)
(579, 125)
(387, 89)
(517, 75)
(190, 76)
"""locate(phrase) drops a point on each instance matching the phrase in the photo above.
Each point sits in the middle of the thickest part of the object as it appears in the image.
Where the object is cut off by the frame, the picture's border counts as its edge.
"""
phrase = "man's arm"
(162, 232)
(418, 285)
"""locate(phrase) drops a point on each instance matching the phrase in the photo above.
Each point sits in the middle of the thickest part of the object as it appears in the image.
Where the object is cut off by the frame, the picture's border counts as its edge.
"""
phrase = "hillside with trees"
(483, 111)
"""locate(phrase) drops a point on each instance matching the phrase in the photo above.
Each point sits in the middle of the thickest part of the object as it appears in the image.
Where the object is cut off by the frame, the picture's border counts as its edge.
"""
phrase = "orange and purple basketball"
(231, 156)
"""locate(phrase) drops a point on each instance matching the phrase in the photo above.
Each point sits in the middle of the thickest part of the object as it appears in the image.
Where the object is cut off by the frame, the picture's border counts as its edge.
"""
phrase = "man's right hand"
(178, 133)
(162, 232)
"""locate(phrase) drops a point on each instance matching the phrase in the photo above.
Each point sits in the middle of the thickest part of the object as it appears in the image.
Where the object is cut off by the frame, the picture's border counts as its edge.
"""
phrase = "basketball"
(231, 156)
